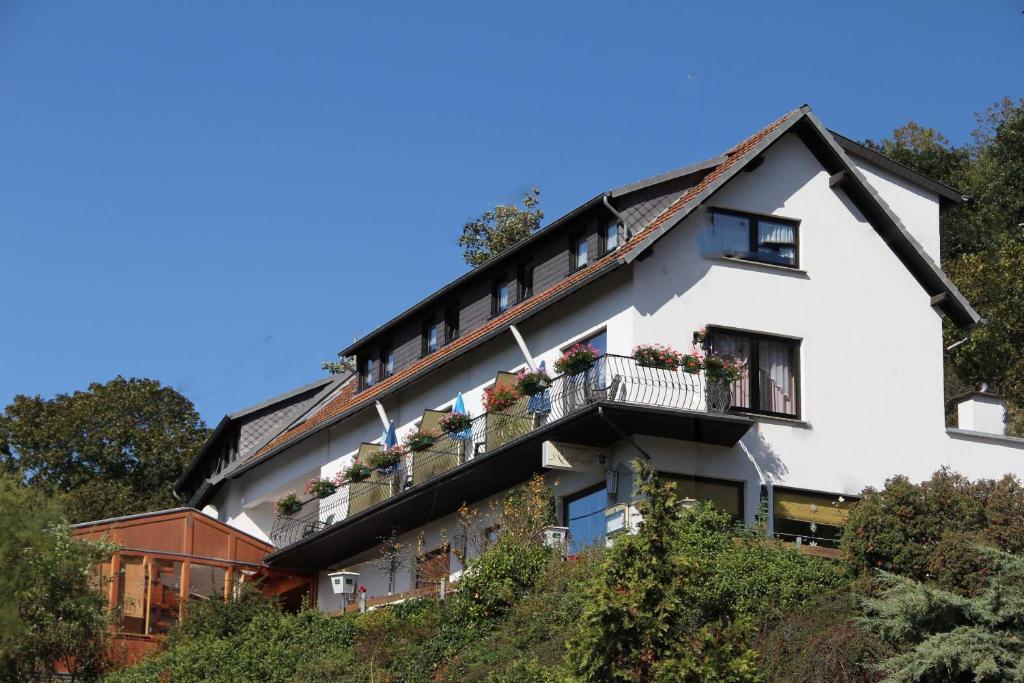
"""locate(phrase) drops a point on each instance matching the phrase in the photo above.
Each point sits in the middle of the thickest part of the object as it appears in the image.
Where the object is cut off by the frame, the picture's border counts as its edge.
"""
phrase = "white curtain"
(777, 378)
(726, 235)
(737, 348)
(776, 235)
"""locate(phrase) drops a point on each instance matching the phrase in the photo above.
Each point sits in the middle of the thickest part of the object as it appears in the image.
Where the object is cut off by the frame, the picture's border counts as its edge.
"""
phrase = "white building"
(808, 257)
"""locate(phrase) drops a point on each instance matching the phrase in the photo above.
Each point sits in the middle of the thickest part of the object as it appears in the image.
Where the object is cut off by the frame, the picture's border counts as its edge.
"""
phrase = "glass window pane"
(611, 238)
(726, 496)
(776, 242)
(738, 348)
(164, 595)
(131, 594)
(206, 582)
(585, 519)
(503, 297)
(729, 235)
(581, 252)
(777, 377)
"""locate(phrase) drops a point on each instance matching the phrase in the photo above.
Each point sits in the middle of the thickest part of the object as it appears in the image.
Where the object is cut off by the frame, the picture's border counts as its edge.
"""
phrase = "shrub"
(900, 527)
(822, 642)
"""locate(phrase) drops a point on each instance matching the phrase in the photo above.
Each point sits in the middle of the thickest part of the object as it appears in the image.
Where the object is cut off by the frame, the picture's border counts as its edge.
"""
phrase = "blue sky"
(220, 195)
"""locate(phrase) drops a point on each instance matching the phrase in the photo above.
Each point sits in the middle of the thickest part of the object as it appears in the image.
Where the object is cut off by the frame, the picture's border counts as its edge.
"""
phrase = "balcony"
(615, 398)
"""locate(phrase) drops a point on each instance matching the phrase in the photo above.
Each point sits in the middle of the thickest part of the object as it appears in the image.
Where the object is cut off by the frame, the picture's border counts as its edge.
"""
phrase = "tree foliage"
(496, 230)
(54, 612)
(920, 530)
(111, 450)
(945, 636)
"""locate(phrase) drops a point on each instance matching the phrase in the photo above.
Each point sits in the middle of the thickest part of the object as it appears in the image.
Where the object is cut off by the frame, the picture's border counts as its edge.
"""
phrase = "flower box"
(657, 356)
(357, 471)
(576, 359)
(387, 459)
(321, 488)
(501, 397)
(288, 504)
(455, 423)
(530, 382)
(420, 440)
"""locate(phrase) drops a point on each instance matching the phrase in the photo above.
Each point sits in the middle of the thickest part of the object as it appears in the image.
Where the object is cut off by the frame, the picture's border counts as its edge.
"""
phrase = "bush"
(822, 642)
(899, 528)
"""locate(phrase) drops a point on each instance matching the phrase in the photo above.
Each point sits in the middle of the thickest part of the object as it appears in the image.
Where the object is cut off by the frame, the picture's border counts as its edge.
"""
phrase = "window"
(766, 239)
(525, 278)
(206, 582)
(770, 380)
(387, 362)
(499, 297)
(430, 340)
(579, 252)
(809, 516)
(451, 324)
(164, 595)
(369, 373)
(131, 594)
(584, 515)
(726, 496)
(610, 236)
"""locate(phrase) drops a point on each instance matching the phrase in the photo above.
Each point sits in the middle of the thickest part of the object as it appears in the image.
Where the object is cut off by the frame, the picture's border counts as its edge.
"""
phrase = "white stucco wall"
(871, 379)
(917, 208)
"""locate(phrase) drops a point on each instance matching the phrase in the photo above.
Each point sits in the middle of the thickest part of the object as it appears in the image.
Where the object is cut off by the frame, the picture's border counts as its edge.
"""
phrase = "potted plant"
(657, 356)
(321, 488)
(692, 363)
(420, 440)
(576, 359)
(719, 374)
(530, 382)
(456, 423)
(501, 397)
(288, 504)
(386, 460)
(357, 471)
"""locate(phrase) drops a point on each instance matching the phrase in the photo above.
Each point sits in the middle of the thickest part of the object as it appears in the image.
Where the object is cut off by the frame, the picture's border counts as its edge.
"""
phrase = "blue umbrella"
(460, 407)
(389, 437)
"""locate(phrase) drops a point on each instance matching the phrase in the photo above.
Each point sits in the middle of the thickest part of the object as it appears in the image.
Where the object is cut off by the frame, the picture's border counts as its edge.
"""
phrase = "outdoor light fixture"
(611, 481)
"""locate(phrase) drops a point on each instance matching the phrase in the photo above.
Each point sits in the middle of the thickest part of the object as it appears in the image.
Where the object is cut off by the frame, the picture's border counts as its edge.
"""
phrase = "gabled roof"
(944, 293)
(322, 387)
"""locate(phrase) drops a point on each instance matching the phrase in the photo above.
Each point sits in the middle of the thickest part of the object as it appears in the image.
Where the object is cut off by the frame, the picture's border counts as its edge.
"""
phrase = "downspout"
(618, 216)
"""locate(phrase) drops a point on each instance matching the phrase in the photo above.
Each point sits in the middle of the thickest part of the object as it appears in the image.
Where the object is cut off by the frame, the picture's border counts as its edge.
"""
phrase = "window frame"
(367, 372)
(429, 325)
(386, 351)
(452, 315)
(524, 274)
(755, 339)
(604, 236)
(739, 483)
(752, 240)
(496, 285)
(577, 239)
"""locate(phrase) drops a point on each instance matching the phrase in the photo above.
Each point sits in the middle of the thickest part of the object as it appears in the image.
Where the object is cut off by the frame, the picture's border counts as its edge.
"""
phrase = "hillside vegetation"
(688, 598)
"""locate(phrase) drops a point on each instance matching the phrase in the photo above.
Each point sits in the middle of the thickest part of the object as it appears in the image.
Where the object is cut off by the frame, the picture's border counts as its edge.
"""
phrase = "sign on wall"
(557, 455)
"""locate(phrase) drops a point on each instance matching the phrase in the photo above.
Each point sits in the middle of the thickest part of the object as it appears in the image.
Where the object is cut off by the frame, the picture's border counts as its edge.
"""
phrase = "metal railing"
(611, 378)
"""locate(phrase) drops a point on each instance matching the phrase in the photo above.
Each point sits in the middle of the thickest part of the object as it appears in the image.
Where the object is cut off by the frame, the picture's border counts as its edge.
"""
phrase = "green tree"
(494, 231)
(944, 636)
(639, 625)
(54, 612)
(111, 450)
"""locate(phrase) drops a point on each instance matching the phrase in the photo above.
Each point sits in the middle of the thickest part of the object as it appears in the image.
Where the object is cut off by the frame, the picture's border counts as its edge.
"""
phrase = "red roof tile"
(348, 399)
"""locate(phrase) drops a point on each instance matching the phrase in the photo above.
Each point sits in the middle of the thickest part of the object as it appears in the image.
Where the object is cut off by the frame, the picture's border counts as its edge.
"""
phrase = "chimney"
(981, 411)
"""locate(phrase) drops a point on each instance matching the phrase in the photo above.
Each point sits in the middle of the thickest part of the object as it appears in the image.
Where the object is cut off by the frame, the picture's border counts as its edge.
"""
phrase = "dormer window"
(499, 296)
(430, 337)
(525, 278)
(766, 239)
(451, 324)
(369, 373)
(611, 236)
(579, 252)
(387, 362)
